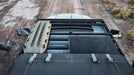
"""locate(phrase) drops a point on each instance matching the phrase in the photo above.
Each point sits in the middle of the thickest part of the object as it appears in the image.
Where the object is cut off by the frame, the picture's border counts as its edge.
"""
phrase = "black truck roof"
(74, 45)
(72, 64)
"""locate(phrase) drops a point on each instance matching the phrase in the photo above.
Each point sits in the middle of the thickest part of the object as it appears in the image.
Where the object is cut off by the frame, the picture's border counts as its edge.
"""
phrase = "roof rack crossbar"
(80, 33)
(74, 20)
(83, 28)
(78, 24)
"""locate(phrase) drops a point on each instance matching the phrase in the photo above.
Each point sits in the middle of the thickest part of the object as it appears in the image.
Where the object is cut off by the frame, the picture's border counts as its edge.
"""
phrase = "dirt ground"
(16, 14)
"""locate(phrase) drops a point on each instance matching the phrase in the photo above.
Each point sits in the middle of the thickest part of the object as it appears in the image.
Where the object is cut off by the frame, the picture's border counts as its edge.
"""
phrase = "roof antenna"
(110, 59)
(94, 58)
(48, 58)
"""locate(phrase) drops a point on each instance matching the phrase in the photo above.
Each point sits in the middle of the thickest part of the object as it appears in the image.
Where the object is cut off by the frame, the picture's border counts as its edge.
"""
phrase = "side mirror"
(23, 31)
(116, 33)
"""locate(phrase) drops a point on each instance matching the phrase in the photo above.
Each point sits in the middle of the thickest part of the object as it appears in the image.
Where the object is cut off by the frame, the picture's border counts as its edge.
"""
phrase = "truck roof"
(74, 47)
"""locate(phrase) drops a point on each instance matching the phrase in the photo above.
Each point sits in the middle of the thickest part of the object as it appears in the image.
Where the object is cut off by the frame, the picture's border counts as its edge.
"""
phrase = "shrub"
(118, 15)
(115, 11)
(115, 2)
(131, 1)
(122, 13)
(126, 13)
(130, 36)
(107, 1)
(104, 1)
(132, 42)
(125, 16)
(111, 12)
(132, 14)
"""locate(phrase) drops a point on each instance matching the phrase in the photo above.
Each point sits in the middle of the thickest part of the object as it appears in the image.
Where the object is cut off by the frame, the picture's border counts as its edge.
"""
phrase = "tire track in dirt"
(62, 6)
(44, 4)
(79, 7)
(92, 9)
(5, 6)
(87, 7)
(69, 7)
(50, 8)
(57, 7)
